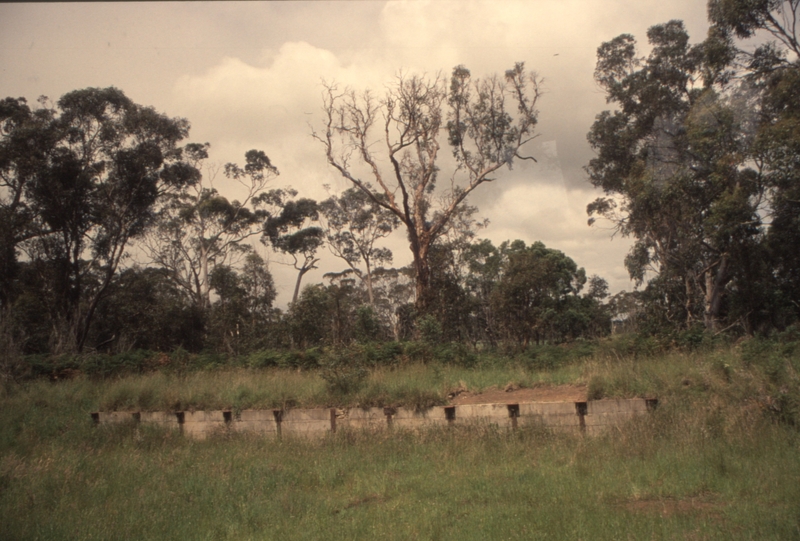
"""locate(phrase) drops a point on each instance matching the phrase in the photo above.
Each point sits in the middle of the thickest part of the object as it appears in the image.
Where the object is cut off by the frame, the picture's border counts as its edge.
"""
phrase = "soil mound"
(515, 395)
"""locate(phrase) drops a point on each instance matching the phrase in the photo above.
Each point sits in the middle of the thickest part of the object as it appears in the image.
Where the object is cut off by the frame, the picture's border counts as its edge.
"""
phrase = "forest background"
(118, 234)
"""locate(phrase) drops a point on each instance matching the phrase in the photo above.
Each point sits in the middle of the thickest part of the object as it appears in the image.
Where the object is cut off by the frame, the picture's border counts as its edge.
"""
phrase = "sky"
(249, 75)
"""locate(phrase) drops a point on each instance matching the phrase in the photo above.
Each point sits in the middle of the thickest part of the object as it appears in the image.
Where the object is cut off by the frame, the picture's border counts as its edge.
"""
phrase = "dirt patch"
(515, 395)
(368, 499)
(670, 507)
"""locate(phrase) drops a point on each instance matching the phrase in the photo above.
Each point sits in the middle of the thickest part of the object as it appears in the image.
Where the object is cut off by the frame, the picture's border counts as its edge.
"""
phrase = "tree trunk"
(423, 284)
(395, 321)
(715, 282)
(369, 283)
(419, 249)
(205, 286)
(687, 305)
(300, 274)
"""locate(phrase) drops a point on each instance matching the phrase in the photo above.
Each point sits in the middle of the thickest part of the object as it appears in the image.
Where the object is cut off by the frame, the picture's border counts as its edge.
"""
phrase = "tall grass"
(678, 474)
(616, 368)
(718, 459)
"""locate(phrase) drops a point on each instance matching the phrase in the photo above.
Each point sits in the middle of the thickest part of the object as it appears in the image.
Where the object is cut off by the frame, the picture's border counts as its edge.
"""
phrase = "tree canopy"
(354, 222)
(674, 159)
(487, 122)
(199, 229)
(696, 156)
(83, 178)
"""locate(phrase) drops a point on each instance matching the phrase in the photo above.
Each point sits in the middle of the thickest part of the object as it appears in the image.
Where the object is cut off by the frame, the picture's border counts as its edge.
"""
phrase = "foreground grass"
(668, 477)
(715, 461)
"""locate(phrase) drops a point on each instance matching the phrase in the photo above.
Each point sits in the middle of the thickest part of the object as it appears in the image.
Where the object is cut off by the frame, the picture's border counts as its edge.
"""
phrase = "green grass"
(718, 459)
(241, 388)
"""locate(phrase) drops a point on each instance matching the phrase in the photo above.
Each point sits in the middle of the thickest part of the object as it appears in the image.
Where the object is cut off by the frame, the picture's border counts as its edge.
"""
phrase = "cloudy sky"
(248, 75)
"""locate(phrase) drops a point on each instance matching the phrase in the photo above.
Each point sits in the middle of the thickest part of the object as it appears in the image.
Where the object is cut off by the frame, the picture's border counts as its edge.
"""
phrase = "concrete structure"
(579, 417)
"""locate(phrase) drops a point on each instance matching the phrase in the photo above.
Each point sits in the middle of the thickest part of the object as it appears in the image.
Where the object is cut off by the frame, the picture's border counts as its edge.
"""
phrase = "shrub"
(597, 388)
(777, 357)
(418, 351)
(582, 348)
(633, 345)
(263, 359)
(342, 373)
(455, 354)
(102, 365)
(545, 357)
(692, 338)
(12, 363)
(382, 354)
(303, 359)
(209, 361)
(180, 359)
(786, 407)
(367, 325)
(429, 329)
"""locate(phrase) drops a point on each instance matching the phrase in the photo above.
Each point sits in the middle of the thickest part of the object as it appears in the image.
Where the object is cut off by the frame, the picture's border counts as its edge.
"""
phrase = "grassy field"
(719, 458)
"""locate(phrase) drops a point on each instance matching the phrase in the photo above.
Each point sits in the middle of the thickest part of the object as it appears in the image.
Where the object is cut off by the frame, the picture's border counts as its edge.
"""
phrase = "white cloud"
(269, 105)
(557, 217)
(247, 75)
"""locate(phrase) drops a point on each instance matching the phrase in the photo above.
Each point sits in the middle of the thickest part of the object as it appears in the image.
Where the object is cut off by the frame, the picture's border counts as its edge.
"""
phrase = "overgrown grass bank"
(719, 458)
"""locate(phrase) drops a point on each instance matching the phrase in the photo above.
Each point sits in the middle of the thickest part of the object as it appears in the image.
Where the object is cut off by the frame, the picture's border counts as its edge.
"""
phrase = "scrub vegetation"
(718, 459)
(697, 164)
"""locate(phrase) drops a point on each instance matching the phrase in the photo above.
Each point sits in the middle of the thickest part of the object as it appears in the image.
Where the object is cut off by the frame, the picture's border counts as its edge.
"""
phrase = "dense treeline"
(113, 239)
(699, 163)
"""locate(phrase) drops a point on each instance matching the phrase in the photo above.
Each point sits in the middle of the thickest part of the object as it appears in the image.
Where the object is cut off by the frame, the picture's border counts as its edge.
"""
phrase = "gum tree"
(486, 122)
(200, 229)
(672, 160)
(772, 67)
(354, 222)
(289, 228)
(98, 167)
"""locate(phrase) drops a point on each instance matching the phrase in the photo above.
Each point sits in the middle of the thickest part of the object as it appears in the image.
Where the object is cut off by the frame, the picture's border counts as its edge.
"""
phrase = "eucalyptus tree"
(534, 291)
(144, 309)
(289, 228)
(310, 317)
(772, 67)
(23, 148)
(200, 229)
(484, 267)
(353, 223)
(242, 312)
(486, 121)
(394, 298)
(84, 177)
(745, 18)
(259, 287)
(674, 162)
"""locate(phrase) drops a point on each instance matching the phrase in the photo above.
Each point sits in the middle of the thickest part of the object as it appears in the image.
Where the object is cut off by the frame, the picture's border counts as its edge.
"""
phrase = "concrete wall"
(588, 417)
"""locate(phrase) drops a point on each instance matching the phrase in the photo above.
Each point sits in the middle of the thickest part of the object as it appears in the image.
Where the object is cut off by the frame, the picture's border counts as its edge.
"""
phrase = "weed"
(707, 463)
(596, 388)
(723, 369)
(343, 374)
(263, 359)
(429, 329)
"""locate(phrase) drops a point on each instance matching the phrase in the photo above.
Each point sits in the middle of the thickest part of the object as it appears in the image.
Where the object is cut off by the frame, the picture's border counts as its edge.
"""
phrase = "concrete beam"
(589, 417)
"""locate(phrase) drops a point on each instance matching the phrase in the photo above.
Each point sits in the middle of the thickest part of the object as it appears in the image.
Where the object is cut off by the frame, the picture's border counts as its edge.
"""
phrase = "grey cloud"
(246, 74)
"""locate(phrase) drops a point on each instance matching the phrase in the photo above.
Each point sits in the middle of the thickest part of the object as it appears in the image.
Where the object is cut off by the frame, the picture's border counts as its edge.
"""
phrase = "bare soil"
(515, 395)
(669, 507)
